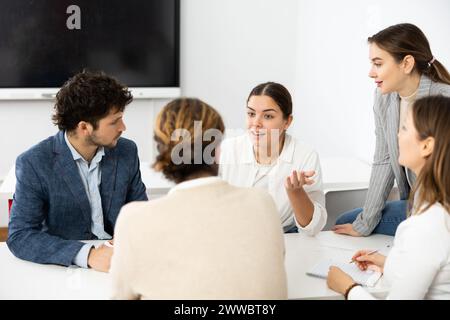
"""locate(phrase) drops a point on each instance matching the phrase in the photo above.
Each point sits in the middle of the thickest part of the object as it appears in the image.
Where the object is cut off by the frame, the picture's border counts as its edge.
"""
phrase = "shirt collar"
(194, 183)
(286, 155)
(76, 156)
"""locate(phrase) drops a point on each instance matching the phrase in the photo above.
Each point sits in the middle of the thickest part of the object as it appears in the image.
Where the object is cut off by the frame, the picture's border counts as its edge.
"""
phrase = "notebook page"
(366, 278)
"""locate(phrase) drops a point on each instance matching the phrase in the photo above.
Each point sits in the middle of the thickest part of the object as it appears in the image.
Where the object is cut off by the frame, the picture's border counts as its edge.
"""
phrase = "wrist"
(349, 288)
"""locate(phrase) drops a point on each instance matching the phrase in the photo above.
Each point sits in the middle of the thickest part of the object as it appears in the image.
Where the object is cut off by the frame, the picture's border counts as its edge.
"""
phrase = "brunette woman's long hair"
(431, 116)
(405, 39)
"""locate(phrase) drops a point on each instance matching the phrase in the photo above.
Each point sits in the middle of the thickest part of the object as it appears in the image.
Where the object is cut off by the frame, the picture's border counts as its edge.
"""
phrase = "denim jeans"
(393, 213)
(293, 229)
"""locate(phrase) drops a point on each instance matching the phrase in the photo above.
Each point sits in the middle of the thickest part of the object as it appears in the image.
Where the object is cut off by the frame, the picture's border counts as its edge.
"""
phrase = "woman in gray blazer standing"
(404, 69)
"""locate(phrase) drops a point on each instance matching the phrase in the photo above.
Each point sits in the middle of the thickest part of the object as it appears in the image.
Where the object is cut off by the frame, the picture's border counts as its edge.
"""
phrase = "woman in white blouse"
(418, 266)
(269, 158)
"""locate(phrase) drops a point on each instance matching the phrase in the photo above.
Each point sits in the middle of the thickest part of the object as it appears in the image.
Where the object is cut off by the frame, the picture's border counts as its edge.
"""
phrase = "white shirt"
(91, 176)
(405, 104)
(238, 167)
(418, 266)
(262, 175)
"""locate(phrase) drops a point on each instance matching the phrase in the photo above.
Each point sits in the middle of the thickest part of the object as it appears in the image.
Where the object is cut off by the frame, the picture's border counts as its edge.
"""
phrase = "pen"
(369, 253)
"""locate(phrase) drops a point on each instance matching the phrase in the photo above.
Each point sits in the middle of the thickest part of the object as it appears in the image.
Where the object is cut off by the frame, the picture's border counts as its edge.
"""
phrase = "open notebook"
(366, 278)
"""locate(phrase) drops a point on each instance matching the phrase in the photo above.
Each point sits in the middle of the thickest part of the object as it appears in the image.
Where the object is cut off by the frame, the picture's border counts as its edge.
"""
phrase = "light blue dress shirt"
(91, 176)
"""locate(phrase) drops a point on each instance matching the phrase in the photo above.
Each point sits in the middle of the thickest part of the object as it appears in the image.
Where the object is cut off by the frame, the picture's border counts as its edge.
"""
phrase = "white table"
(303, 252)
(25, 280)
(338, 174)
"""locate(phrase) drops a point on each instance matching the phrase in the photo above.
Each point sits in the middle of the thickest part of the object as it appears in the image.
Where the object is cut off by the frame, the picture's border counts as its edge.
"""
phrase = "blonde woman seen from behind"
(418, 266)
(206, 239)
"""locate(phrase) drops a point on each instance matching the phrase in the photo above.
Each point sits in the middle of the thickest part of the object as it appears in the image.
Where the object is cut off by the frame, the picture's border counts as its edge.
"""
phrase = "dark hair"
(89, 96)
(405, 39)
(278, 93)
(181, 114)
(431, 116)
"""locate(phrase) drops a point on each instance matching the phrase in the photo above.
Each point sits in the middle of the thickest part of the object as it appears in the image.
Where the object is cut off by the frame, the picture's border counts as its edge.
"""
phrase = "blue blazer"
(51, 210)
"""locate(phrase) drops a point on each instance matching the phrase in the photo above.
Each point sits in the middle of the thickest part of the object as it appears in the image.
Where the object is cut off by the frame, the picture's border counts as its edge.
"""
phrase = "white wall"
(334, 94)
(317, 48)
(24, 123)
(231, 46)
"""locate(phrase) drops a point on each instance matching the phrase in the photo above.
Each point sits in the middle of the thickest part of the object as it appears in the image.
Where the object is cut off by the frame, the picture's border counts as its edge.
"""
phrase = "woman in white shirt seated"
(206, 239)
(269, 158)
(418, 266)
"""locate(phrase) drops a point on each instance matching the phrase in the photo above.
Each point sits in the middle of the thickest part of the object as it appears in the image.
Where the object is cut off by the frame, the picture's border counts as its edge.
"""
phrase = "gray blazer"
(385, 167)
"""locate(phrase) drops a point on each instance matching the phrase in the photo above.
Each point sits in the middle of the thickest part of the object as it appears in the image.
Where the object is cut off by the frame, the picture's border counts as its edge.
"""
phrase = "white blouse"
(238, 167)
(418, 266)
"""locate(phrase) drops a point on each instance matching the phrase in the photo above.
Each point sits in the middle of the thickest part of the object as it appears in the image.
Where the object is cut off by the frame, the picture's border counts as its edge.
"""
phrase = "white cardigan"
(418, 266)
(203, 240)
(239, 167)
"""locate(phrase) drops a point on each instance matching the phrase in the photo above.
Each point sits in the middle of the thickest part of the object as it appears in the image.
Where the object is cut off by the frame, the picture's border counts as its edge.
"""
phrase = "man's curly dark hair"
(89, 96)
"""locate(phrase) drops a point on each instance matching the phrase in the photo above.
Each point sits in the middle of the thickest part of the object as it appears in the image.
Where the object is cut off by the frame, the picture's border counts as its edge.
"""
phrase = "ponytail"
(437, 72)
(405, 39)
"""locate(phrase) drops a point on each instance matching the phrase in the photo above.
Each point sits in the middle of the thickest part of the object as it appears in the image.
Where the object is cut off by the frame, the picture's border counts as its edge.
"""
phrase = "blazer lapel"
(67, 169)
(394, 114)
(109, 171)
(423, 91)
(393, 119)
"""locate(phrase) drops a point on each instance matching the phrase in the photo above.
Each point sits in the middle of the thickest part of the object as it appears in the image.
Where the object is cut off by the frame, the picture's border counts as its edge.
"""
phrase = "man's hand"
(99, 258)
(346, 229)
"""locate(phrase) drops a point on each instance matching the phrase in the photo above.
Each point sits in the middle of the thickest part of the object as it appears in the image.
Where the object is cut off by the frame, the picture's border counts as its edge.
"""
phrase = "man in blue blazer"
(71, 186)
